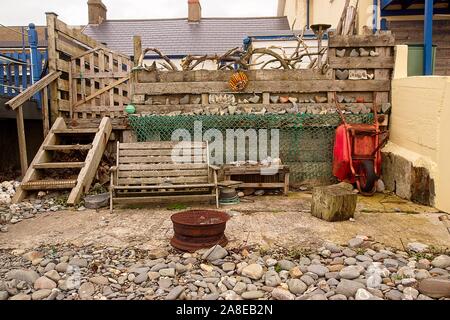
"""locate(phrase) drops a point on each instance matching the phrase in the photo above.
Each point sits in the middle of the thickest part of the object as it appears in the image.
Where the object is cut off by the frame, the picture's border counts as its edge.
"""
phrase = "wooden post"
(22, 141)
(52, 57)
(45, 117)
(137, 42)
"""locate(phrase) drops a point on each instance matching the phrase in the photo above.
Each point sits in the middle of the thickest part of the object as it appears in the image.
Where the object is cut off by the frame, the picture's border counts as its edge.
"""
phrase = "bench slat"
(165, 166)
(161, 180)
(158, 159)
(179, 186)
(160, 145)
(162, 173)
(161, 152)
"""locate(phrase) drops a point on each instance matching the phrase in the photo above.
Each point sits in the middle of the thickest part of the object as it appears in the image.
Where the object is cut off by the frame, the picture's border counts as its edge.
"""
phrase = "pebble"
(286, 265)
(252, 295)
(442, 261)
(297, 286)
(318, 269)
(282, 294)
(175, 293)
(253, 271)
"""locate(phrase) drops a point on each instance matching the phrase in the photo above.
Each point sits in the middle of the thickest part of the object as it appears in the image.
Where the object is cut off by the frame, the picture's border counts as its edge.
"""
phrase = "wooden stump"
(334, 203)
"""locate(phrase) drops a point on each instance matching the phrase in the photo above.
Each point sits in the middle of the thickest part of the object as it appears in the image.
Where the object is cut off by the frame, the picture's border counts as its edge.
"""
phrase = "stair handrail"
(24, 96)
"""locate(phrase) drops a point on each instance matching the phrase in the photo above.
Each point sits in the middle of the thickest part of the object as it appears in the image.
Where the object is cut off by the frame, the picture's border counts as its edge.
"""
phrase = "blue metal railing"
(25, 68)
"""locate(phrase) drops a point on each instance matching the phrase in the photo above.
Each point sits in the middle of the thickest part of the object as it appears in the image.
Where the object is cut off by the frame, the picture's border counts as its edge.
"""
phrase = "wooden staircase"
(34, 178)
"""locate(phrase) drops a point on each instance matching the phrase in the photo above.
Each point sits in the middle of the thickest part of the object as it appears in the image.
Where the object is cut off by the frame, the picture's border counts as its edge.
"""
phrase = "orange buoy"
(238, 81)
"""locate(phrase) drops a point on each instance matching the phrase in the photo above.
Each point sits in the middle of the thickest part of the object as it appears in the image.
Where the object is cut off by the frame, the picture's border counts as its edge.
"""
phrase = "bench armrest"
(216, 168)
(113, 169)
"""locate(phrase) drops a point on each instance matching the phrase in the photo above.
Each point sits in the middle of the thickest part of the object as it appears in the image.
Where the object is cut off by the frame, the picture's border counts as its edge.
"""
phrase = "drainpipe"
(375, 16)
(428, 38)
(307, 13)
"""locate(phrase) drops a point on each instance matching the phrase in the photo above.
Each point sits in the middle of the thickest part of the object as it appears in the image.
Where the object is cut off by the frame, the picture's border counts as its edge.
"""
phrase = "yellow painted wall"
(326, 11)
(420, 128)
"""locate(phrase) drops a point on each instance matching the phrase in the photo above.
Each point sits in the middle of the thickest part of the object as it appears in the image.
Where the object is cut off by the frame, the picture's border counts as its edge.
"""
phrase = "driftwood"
(243, 59)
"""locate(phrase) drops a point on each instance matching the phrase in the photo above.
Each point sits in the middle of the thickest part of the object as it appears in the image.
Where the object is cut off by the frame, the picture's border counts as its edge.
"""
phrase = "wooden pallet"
(34, 179)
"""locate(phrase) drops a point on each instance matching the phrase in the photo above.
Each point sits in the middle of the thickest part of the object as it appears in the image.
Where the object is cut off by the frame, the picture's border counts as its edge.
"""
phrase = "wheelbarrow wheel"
(367, 183)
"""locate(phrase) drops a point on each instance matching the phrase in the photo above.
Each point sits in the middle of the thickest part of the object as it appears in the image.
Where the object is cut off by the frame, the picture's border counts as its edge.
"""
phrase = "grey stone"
(296, 286)
(350, 273)
(215, 253)
(340, 53)
(286, 264)
(272, 279)
(390, 263)
(410, 293)
(21, 296)
(282, 294)
(350, 261)
(338, 297)
(97, 201)
(100, 280)
(4, 295)
(175, 293)
(363, 294)
(348, 287)
(393, 295)
(318, 269)
(253, 271)
(184, 99)
(349, 253)
(140, 278)
(274, 99)
(228, 266)
(61, 267)
(168, 272)
(363, 52)
(28, 276)
(86, 291)
(79, 262)
(166, 283)
(354, 53)
(307, 279)
(158, 267)
(252, 295)
(40, 294)
(240, 288)
(355, 243)
(435, 287)
(342, 74)
(442, 261)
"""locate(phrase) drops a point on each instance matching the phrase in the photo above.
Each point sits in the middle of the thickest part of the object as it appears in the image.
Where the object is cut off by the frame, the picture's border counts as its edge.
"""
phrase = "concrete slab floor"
(266, 221)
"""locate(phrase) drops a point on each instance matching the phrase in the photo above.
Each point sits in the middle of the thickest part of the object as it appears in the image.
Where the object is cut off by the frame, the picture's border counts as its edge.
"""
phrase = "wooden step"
(49, 184)
(59, 165)
(75, 131)
(68, 147)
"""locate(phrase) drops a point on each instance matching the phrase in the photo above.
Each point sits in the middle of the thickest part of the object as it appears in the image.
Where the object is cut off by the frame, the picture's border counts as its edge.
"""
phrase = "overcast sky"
(74, 12)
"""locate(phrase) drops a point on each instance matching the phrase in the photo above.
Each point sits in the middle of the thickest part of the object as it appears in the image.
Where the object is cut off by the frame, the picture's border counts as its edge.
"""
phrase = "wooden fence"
(361, 81)
(93, 81)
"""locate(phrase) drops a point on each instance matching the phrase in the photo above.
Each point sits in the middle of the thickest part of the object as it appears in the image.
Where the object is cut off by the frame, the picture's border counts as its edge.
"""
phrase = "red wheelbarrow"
(357, 152)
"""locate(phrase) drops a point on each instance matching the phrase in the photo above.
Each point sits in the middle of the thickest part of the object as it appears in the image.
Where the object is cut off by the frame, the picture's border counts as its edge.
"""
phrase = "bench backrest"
(162, 163)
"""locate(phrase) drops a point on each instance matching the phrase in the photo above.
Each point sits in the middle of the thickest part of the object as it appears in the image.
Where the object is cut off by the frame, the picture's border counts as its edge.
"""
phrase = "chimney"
(195, 11)
(97, 11)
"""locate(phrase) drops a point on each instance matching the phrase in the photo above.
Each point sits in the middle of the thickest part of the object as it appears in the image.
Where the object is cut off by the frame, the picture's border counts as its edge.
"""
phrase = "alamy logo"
(231, 146)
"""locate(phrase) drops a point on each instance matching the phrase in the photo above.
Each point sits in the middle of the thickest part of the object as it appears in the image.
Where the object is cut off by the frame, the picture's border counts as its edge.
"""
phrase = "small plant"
(177, 206)
(278, 268)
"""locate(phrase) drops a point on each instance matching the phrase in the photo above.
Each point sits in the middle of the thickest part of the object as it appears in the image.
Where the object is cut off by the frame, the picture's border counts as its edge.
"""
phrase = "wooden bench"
(163, 171)
(258, 176)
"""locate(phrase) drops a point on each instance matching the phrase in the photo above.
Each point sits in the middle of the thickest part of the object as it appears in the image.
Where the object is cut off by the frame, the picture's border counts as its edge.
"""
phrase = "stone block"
(334, 203)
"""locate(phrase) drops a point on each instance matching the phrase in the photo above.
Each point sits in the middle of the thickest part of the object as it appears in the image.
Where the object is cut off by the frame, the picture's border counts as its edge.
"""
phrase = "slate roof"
(178, 37)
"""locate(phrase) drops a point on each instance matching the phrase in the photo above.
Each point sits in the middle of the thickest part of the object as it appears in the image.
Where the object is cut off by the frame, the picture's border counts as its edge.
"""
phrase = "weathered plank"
(156, 159)
(161, 180)
(361, 62)
(164, 199)
(22, 140)
(222, 75)
(162, 173)
(160, 152)
(304, 86)
(161, 145)
(379, 40)
(166, 166)
(92, 161)
(59, 165)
